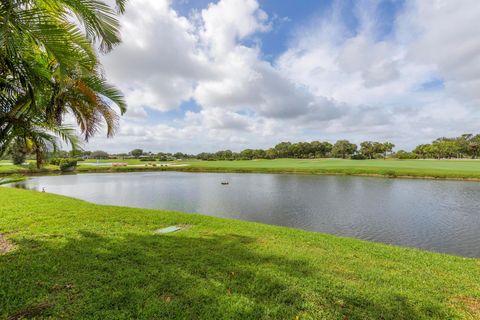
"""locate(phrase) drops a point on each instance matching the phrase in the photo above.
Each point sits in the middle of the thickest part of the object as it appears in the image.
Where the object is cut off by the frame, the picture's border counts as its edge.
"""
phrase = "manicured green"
(392, 168)
(128, 161)
(441, 169)
(76, 260)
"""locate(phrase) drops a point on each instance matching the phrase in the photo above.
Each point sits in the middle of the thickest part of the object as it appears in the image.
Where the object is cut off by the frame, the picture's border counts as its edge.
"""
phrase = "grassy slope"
(14, 169)
(80, 260)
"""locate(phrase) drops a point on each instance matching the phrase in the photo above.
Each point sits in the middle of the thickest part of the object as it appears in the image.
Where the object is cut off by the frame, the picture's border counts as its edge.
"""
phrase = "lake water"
(441, 216)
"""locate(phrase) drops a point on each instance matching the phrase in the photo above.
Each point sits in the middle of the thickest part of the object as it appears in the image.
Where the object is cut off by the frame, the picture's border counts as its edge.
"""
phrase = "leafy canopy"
(49, 68)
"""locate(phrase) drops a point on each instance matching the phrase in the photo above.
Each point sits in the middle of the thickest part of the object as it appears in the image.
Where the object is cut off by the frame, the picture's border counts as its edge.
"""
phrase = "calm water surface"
(440, 216)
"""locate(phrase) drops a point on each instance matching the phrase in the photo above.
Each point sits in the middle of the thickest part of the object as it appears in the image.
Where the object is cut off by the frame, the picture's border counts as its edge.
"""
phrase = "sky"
(203, 75)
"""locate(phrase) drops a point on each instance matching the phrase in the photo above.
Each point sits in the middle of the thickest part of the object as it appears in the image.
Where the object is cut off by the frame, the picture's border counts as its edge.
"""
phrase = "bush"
(68, 164)
(148, 159)
(405, 155)
(18, 152)
(55, 161)
(358, 157)
(18, 158)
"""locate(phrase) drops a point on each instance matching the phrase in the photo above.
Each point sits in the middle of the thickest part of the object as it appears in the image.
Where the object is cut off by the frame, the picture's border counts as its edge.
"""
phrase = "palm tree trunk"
(39, 157)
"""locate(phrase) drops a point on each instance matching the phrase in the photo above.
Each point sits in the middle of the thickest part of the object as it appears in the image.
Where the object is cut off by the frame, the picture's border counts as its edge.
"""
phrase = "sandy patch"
(5, 245)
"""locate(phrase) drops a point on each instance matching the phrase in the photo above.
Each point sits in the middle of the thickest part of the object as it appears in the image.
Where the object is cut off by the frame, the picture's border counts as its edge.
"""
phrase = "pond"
(441, 216)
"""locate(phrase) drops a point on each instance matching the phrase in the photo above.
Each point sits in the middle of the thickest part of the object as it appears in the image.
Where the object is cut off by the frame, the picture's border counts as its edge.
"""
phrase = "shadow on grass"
(178, 277)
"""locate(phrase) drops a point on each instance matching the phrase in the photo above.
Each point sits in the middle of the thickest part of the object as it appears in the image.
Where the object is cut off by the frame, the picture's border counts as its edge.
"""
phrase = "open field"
(414, 168)
(455, 169)
(72, 259)
(128, 161)
(452, 169)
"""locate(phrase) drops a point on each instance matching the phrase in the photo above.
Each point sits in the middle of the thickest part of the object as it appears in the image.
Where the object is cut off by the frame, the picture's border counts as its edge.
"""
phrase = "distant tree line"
(307, 150)
(464, 146)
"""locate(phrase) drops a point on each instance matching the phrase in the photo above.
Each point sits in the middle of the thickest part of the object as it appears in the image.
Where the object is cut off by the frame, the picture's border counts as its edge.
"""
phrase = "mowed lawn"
(76, 260)
(416, 168)
(454, 169)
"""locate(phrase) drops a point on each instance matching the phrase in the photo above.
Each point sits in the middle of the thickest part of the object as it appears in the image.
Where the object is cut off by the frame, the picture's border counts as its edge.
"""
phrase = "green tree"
(367, 149)
(283, 150)
(422, 150)
(99, 154)
(344, 149)
(136, 152)
(474, 146)
(387, 148)
(321, 149)
(270, 153)
(247, 154)
(402, 154)
(259, 154)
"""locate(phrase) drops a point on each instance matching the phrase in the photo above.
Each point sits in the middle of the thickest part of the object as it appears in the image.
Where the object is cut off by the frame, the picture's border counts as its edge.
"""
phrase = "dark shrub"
(67, 165)
(18, 152)
(405, 155)
(55, 161)
(358, 157)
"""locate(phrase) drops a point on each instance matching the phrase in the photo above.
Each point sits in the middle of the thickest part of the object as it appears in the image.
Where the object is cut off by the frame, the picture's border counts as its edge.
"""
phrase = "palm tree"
(387, 147)
(36, 137)
(49, 68)
(88, 98)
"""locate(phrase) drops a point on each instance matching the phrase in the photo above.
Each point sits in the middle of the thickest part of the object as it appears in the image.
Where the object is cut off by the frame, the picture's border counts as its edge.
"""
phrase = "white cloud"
(158, 62)
(228, 21)
(448, 38)
(331, 82)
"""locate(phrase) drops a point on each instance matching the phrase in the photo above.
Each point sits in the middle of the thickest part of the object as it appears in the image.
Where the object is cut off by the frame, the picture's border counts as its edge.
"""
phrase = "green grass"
(76, 260)
(462, 169)
(26, 169)
(128, 161)
(441, 169)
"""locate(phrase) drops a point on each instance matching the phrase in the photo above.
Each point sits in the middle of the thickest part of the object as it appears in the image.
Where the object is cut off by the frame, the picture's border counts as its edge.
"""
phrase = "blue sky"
(241, 74)
(287, 15)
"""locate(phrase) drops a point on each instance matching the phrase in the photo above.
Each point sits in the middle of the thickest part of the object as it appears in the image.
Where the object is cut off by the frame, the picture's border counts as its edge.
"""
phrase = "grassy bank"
(438, 169)
(76, 260)
(462, 169)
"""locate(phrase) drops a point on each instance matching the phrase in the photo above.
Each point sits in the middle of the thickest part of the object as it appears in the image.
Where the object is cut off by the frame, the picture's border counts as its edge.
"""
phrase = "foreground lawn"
(78, 260)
